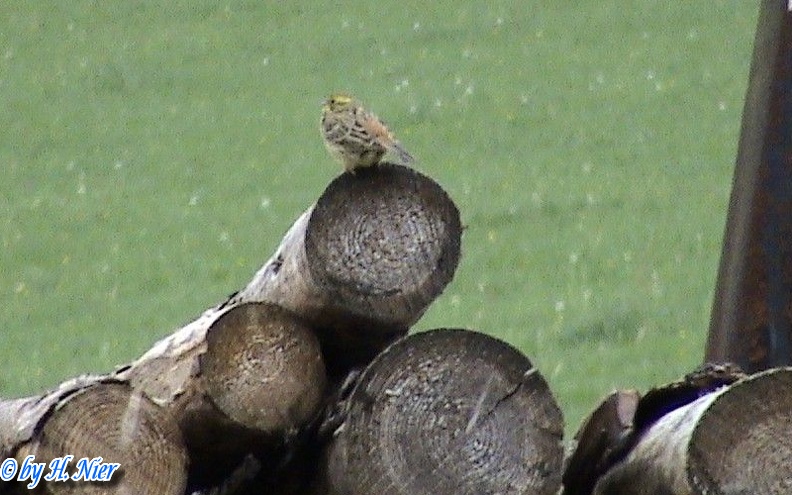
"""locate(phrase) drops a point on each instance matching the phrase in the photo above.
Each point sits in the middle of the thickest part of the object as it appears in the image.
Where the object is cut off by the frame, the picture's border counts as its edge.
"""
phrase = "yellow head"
(338, 102)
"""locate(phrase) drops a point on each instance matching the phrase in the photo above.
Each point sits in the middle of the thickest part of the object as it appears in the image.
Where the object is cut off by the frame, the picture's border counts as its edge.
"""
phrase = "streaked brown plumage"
(356, 137)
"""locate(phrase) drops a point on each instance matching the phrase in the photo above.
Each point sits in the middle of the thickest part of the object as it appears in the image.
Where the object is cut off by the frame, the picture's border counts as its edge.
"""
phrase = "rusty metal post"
(752, 311)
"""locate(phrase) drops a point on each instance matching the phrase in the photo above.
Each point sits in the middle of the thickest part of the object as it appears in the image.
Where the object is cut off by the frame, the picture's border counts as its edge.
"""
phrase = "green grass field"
(153, 153)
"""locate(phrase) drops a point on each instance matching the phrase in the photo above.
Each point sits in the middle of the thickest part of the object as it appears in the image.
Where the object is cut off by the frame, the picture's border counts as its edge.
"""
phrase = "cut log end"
(263, 368)
(448, 411)
(112, 421)
(383, 243)
(742, 443)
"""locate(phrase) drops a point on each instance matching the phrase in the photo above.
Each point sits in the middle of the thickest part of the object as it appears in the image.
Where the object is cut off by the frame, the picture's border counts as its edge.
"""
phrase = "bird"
(356, 137)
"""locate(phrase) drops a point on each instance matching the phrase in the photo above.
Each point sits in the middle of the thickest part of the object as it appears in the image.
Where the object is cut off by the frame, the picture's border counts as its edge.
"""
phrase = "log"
(249, 376)
(90, 417)
(364, 263)
(248, 382)
(598, 441)
(734, 440)
(617, 424)
(446, 411)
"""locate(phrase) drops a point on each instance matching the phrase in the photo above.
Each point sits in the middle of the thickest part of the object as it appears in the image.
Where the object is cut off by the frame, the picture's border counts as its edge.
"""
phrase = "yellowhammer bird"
(356, 137)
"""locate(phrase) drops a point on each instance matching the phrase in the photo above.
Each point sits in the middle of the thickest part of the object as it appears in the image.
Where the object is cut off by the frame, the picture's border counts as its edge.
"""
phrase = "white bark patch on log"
(19, 418)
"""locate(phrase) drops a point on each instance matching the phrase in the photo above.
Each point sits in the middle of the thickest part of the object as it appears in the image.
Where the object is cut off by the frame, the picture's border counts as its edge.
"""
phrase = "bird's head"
(338, 102)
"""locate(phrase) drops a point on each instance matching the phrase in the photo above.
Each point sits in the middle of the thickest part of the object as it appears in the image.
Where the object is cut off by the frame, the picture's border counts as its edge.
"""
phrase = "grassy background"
(153, 153)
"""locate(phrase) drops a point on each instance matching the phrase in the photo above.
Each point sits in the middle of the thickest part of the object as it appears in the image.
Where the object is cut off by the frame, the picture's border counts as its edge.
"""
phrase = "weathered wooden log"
(364, 263)
(245, 383)
(447, 411)
(91, 417)
(614, 428)
(731, 441)
(360, 267)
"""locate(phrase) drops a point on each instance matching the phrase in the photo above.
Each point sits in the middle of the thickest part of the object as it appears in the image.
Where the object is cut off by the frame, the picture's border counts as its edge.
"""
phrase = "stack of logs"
(305, 382)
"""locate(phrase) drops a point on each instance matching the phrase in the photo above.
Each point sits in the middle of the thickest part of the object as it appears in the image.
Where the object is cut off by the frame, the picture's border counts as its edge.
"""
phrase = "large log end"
(448, 411)
(382, 244)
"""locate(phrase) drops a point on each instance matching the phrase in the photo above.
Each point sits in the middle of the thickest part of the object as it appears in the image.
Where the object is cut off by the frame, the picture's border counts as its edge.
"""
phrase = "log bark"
(731, 441)
(447, 411)
(90, 417)
(248, 382)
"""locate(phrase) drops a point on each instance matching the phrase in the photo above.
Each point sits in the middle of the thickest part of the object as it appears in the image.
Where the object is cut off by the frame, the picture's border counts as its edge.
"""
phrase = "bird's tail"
(404, 156)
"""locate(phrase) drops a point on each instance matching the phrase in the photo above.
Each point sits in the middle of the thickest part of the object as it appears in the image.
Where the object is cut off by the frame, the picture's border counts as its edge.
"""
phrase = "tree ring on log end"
(112, 421)
(386, 235)
(448, 411)
(742, 443)
(263, 368)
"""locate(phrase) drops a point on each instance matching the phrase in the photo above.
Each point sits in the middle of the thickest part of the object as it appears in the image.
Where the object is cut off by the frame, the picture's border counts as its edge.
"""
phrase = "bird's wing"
(384, 137)
(377, 129)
